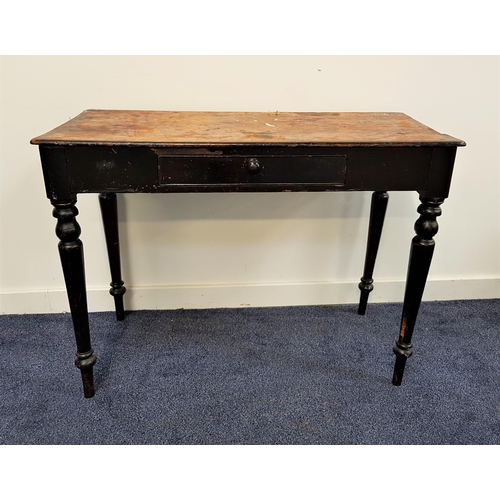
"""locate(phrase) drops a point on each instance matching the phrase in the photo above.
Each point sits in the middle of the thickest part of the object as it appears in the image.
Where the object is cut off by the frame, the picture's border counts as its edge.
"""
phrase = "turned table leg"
(71, 252)
(377, 215)
(422, 248)
(109, 213)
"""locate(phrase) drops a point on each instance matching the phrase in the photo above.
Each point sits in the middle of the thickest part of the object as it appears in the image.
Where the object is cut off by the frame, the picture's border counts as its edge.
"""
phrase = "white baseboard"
(245, 295)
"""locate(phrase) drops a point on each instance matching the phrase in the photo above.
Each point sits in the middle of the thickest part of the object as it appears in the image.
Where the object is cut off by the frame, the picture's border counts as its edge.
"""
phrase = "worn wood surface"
(163, 128)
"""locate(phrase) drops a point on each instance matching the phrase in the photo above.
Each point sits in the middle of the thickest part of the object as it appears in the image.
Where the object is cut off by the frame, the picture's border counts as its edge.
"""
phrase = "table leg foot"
(365, 286)
(377, 216)
(85, 362)
(71, 253)
(422, 249)
(402, 352)
(109, 211)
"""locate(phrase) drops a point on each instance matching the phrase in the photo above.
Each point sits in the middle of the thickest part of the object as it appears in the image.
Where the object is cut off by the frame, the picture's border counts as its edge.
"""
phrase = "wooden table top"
(167, 128)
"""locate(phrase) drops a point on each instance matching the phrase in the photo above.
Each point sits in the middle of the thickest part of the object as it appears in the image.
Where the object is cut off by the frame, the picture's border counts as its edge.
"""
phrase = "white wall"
(228, 250)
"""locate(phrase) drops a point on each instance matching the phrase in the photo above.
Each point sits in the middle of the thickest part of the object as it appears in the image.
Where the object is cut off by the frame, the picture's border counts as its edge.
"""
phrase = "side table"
(111, 151)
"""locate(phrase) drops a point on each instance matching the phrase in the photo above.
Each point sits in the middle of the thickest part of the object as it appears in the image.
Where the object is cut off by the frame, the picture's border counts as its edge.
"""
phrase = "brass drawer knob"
(253, 165)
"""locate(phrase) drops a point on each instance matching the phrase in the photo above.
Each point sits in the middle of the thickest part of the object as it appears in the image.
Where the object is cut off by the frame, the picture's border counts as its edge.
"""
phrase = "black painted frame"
(73, 169)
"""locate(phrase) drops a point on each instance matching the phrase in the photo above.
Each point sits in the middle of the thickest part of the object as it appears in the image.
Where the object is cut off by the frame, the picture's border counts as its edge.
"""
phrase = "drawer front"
(259, 169)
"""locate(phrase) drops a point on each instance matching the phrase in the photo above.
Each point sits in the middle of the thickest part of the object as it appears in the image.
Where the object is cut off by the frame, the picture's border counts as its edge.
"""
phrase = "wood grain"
(167, 128)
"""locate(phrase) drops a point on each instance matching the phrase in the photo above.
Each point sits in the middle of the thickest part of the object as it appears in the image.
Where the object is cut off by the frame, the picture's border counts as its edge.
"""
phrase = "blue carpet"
(285, 375)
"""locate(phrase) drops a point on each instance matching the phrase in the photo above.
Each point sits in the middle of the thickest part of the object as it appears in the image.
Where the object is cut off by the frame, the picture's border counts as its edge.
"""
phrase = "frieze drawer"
(216, 170)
